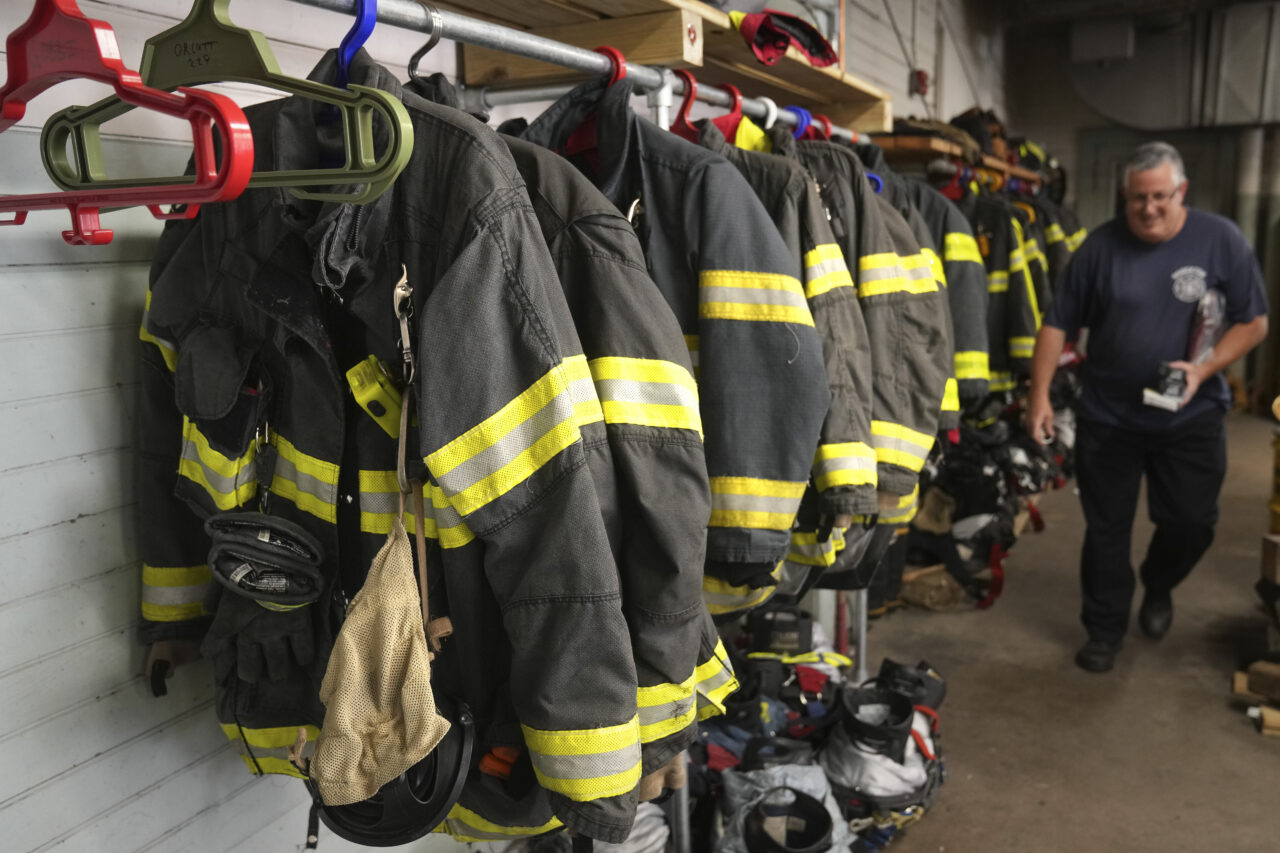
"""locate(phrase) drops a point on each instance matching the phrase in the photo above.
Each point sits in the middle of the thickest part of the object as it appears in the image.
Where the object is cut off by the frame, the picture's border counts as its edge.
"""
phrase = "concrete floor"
(1152, 756)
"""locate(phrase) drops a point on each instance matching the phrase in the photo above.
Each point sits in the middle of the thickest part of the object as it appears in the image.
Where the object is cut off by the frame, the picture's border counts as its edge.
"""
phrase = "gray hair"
(1150, 155)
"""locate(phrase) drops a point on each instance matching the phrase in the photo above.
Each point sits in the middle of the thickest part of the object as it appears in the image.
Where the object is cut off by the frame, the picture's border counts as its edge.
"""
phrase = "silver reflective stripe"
(715, 682)
(380, 503)
(822, 268)
(887, 442)
(217, 482)
(654, 393)
(753, 296)
(502, 452)
(326, 493)
(167, 596)
(814, 550)
(665, 711)
(754, 503)
(845, 463)
(592, 766)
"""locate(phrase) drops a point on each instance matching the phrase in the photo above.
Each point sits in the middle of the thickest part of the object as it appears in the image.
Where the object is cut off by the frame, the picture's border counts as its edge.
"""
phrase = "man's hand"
(1040, 420)
(1195, 375)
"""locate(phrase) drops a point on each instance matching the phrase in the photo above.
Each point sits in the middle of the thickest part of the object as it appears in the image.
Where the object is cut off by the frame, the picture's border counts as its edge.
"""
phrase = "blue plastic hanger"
(366, 17)
(806, 119)
(877, 182)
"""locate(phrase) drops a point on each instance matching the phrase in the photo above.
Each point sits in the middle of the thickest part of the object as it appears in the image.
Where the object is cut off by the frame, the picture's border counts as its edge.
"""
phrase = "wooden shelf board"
(925, 148)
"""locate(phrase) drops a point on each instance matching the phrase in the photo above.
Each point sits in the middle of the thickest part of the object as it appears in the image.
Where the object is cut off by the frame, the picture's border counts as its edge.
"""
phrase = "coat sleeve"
(762, 382)
(1023, 309)
(967, 294)
(505, 393)
(844, 468)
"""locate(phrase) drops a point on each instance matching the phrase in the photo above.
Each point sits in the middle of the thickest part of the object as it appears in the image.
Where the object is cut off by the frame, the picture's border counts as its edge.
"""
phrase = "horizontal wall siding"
(91, 760)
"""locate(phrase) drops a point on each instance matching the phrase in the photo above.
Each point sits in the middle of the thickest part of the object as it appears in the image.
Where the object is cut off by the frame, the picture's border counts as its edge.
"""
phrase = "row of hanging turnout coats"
(634, 355)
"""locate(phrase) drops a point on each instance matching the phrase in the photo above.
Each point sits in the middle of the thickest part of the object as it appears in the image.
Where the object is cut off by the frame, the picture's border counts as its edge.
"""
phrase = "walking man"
(1136, 285)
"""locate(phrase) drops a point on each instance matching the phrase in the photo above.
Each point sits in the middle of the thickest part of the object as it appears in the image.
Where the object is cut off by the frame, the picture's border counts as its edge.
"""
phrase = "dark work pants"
(1185, 468)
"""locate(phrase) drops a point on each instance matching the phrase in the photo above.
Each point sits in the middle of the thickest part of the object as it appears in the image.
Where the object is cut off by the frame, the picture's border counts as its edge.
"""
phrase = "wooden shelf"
(721, 58)
(921, 149)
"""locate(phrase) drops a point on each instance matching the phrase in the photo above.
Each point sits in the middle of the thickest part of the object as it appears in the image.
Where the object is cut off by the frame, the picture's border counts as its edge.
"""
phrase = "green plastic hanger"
(208, 48)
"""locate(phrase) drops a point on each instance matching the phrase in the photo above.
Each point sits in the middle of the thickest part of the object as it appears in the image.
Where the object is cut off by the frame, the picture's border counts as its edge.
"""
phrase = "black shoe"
(1097, 655)
(1156, 614)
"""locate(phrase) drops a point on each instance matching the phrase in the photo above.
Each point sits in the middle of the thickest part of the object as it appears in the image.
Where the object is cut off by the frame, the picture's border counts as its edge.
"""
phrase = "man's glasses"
(1141, 199)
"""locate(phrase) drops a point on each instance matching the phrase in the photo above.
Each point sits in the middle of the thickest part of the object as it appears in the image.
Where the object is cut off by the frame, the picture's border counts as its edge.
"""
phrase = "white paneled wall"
(89, 760)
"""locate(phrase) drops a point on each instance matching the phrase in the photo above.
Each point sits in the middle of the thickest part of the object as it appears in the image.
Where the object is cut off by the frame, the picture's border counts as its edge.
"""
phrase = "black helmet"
(781, 824)
(877, 719)
(416, 801)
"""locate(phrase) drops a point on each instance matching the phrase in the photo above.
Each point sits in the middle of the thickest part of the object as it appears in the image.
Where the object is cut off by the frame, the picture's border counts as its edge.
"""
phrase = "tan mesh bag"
(380, 714)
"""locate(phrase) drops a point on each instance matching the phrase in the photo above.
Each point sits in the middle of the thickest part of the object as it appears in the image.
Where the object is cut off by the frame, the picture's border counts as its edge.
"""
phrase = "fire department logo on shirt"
(1189, 283)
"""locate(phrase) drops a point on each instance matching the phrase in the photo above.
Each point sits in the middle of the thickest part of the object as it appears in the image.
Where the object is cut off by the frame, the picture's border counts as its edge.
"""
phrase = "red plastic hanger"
(729, 122)
(682, 126)
(813, 131)
(58, 43)
(953, 189)
(583, 139)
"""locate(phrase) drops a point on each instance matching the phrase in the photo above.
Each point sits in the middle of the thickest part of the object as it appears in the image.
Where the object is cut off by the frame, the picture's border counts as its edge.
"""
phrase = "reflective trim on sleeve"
(972, 364)
(309, 483)
(951, 396)
(586, 764)
(888, 272)
(267, 750)
(741, 295)
(1074, 240)
(722, 597)
(904, 512)
(691, 343)
(997, 281)
(582, 390)
(1002, 380)
(899, 445)
(716, 683)
(174, 593)
(806, 550)
(646, 392)
(850, 463)
(958, 246)
(380, 500)
(465, 825)
(665, 709)
(168, 350)
(509, 446)
(935, 264)
(752, 502)
(1021, 347)
(228, 482)
(824, 270)
(1054, 234)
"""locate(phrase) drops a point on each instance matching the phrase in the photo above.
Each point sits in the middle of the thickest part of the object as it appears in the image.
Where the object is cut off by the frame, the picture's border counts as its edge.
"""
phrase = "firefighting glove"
(251, 643)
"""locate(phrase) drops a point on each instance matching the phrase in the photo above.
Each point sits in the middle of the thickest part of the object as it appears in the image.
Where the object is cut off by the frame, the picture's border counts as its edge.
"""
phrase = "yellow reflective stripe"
(465, 825)
(509, 446)
(665, 709)
(761, 296)
(850, 463)
(1074, 240)
(380, 500)
(951, 396)
(1054, 234)
(646, 392)
(831, 658)
(310, 483)
(167, 349)
(228, 482)
(972, 364)
(716, 683)
(958, 246)
(753, 502)
(935, 264)
(722, 597)
(806, 550)
(825, 270)
(997, 281)
(586, 404)
(888, 272)
(174, 593)
(1021, 347)
(691, 342)
(905, 511)
(1002, 381)
(896, 444)
(586, 764)
(267, 750)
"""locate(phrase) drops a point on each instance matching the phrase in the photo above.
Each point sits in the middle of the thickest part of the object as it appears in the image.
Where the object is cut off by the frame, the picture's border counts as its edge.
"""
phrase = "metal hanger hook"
(433, 39)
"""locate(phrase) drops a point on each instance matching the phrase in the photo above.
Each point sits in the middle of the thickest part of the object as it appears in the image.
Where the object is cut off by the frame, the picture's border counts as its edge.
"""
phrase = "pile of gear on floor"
(808, 759)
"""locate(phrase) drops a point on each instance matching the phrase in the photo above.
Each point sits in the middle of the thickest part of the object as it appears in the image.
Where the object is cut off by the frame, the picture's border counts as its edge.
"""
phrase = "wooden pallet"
(724, 57)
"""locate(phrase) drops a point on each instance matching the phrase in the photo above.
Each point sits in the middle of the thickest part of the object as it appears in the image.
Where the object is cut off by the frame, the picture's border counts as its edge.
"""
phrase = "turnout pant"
(1185, 468)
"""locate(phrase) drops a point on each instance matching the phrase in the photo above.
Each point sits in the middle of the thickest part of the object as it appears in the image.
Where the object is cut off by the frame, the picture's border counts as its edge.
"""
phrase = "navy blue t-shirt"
(1138, 301)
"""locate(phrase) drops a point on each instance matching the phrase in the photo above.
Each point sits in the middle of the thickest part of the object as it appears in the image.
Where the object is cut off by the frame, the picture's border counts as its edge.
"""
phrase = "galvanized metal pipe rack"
(413, 15)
